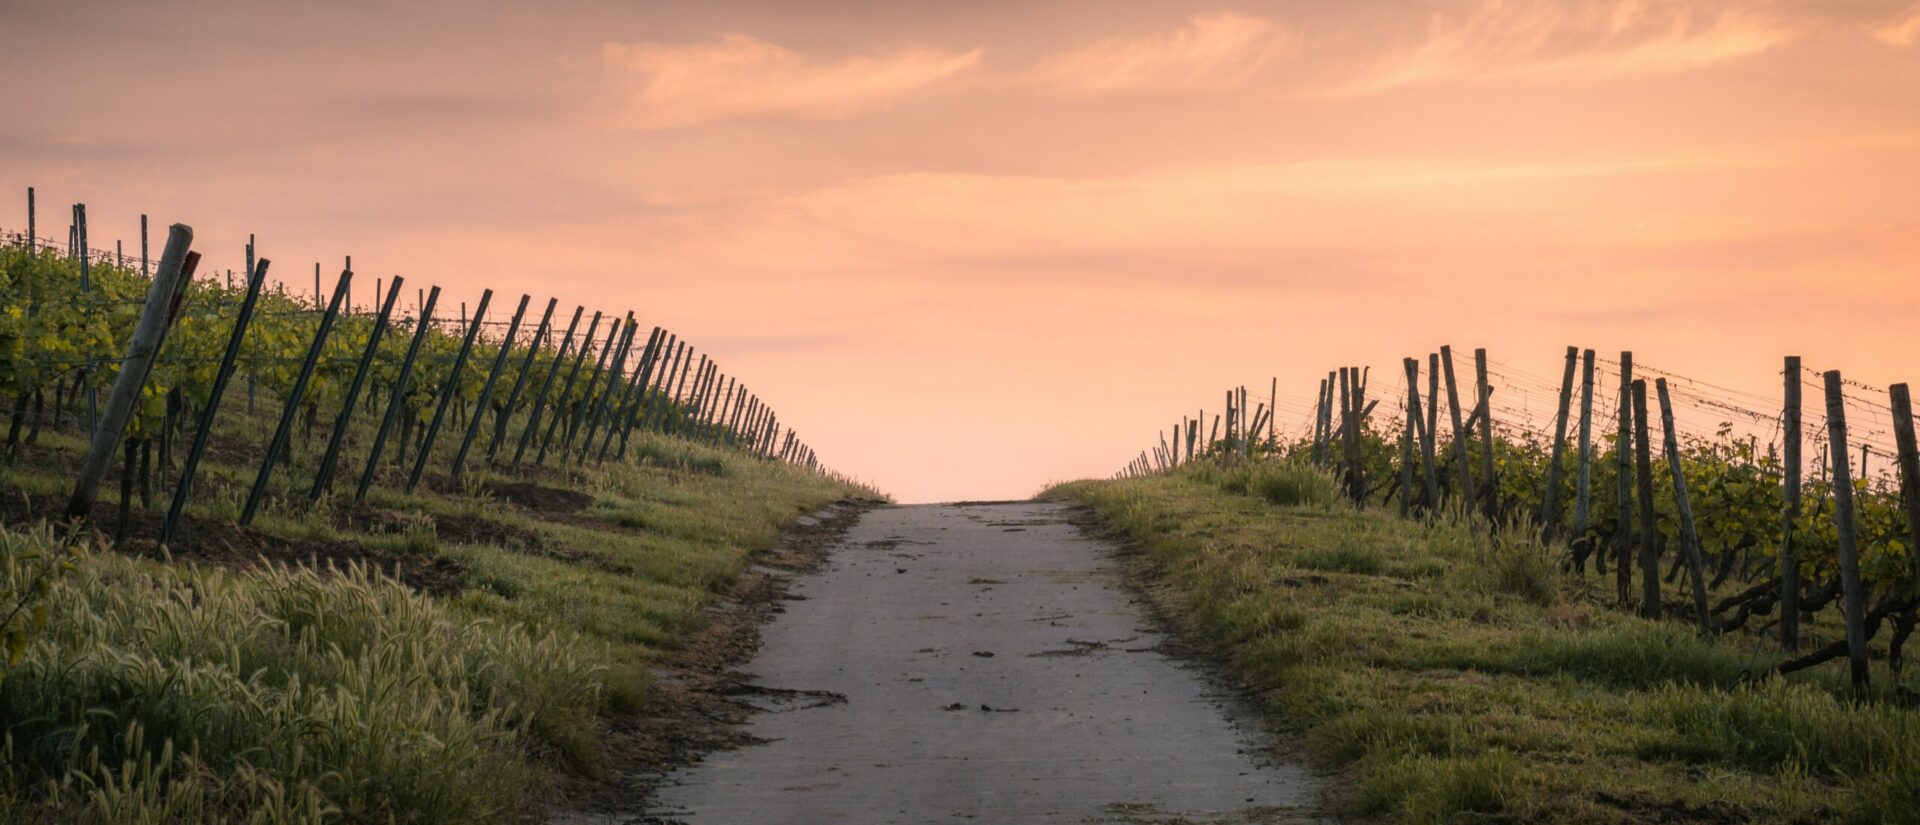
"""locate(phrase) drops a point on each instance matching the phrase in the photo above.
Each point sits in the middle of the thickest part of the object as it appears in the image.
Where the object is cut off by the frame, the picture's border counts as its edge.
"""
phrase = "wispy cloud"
(1574, 39)
(739, 76)
(1902, 30)
(1211, 52)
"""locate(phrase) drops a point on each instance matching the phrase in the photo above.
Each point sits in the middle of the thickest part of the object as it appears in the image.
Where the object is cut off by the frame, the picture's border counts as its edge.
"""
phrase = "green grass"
(162, 691)
(1458, 677)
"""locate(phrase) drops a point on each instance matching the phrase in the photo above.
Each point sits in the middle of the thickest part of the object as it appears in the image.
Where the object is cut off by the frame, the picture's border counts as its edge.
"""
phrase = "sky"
(970, 248)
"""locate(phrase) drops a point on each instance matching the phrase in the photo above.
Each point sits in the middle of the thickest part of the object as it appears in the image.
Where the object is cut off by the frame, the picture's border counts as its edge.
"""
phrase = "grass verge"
(444, 656)
(1458, 677)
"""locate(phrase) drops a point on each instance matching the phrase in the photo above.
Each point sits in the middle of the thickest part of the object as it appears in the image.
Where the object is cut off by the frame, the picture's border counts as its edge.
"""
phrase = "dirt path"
(979, 662)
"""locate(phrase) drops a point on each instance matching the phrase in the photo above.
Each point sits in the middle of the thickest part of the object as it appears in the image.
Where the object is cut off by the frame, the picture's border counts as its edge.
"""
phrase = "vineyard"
(412, 390)
(1702, 523)
(271, 556)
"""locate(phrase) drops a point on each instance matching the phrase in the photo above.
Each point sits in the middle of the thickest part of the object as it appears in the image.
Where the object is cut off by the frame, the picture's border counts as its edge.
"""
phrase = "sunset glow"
(971, 248)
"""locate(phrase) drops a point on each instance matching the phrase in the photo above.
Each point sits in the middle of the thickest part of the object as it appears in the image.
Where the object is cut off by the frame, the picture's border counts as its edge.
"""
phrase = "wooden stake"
(1650, 606)
(539, 403)
(1908, 458)
(280, 433)
(1459, 449)
(148, 334)
(486, 389)
(1790, 511)
(1689, 534)
(520, 380)
(1549, 515)
(448, 392)
(323, 478)
(1583, 481)
(1853, 593)
(566, 390)
(1485, 393)
(397, 397)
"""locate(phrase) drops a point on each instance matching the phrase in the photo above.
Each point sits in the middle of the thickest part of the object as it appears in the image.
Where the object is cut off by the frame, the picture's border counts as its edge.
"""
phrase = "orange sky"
(968, 248)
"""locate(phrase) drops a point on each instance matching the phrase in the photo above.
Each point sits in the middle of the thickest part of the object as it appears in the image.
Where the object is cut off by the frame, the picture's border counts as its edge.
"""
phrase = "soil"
(697, 703)
(226, 544)
(536, 498)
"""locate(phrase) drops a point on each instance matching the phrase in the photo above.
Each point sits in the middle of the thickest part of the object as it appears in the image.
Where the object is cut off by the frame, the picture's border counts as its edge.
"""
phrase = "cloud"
(740, 76)
(1553, 39)
(1212, 52)
(1901, 31)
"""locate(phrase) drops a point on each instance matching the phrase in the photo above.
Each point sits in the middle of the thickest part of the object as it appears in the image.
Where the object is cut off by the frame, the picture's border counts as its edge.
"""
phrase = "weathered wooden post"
(33, 224)
(148, 334)
(1432, 430)
(1909, 460)
(616, 378)
(1623, 501)
(566, 391)
(645, 391)
(449, 392)
(1485, 392)
(323, 478)
(623, 414)
(204, 428)
(398, 395)
(670, 360)
(536, 408)
(1319, 424)
(1790, 510)
(1650, 606)
(520, 380)
(1549, 515)
(1853, 593)
(1418, 422)
(1461, 457)
(618, 338)
(1689, 533)
(486, 389)
(1583, 482)
(299, 391)
(1406, 454)
(1273, 404)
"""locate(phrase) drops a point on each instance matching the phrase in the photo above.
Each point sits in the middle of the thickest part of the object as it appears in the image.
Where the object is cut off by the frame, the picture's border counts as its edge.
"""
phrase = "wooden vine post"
(141, 349)
(1583, 481)
(323, 478)
(1430, 449)
(1909, 460)
(1790, 511)
(396, 398)
(486, 389)
(449, 391)
(1650, 606)
(1853, 593)
(1689, 534)
(566, 390)
(538, 406)
(294, 396)
(221, 376)
(1460, 433)
(520, 380)
(1485, 393)
(1623, 501)
(1406, 447)
(1549, 514)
